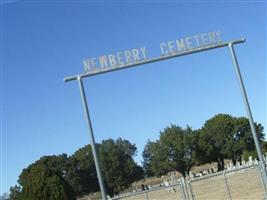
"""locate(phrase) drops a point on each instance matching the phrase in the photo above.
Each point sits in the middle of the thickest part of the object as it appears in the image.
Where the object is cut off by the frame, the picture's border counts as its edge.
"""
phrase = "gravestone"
(191, 174)
(214, 169)
(243, 162)
(205, 172)
(250, 160)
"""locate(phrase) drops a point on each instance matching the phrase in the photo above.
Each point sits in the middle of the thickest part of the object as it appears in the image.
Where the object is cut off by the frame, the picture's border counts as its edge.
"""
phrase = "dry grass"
(244, 185)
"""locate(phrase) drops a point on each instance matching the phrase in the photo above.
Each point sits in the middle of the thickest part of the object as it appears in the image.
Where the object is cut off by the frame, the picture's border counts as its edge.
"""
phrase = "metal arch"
(229, 44)
(152, 60)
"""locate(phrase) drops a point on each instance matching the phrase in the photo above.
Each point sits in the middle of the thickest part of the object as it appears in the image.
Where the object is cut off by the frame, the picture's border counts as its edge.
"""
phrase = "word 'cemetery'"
(140, 54)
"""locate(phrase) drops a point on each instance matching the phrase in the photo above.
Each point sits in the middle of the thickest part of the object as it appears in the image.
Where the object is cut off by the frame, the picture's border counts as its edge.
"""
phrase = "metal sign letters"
(136, 55)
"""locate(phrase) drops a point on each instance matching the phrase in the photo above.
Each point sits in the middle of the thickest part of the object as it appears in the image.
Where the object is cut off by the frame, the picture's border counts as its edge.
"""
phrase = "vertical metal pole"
(147, 196)
(182, 190)
(227, 186)
(248, 110)
(191, 190)
(185, 186)
(92, 139)
(262, 182)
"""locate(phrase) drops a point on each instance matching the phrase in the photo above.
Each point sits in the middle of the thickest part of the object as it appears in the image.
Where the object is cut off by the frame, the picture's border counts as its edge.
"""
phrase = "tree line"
(221, 137)
(63, 177)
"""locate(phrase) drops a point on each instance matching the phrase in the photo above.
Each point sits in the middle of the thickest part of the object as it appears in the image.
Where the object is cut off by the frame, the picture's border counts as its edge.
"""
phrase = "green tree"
(155, 162)
(243, 139)
(56, 163)
(15, 193)
(192, 148)
(78, 170)
(216, 138)
(116, 162)
(179, 148)
(175, 150)
(224, 136)
(38, 182)
(81, 173)
(118, 165)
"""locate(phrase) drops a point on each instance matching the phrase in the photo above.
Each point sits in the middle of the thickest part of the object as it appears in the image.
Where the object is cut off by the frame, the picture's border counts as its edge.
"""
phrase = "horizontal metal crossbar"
(224, 172)
(152, 60)
(145, 191)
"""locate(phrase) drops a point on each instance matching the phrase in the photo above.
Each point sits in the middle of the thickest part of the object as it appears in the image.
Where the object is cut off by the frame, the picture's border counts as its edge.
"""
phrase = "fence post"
(262, 182)
(185, 187)
(191, 190)
(180, 182)
(227, 186)
(147, 196)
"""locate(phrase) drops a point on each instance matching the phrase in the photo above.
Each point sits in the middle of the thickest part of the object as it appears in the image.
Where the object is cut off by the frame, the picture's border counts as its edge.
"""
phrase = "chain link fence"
(158, 192)
(242, 182)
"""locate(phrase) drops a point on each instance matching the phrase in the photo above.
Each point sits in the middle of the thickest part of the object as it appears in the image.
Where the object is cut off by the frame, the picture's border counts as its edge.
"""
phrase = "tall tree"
(215, 137)
(179, 148)
(175, 150)
(243, 139)
(56, 163)
(78, 170)
(38, 182)
(81, 172)
(119, 167)
(15, 193)
(155, 162)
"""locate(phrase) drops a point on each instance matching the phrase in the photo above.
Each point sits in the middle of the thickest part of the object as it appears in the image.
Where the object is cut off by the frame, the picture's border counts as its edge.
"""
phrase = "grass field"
(243, 185)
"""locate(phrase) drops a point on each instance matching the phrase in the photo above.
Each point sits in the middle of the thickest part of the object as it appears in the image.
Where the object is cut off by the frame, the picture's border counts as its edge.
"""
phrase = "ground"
(244, 184)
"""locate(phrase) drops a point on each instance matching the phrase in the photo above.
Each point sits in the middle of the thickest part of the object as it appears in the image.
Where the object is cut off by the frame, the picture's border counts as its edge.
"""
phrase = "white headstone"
(214, 170)
(250, 160)
(191, 175)
(243, 162)
(228, 166)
